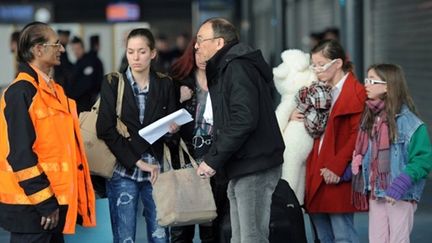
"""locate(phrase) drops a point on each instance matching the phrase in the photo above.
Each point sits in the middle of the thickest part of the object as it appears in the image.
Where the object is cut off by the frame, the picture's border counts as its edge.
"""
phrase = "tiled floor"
(422, 231)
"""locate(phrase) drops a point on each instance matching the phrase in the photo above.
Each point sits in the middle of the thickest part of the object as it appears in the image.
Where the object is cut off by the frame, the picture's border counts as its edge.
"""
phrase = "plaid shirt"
(315, 102)
(140, 98)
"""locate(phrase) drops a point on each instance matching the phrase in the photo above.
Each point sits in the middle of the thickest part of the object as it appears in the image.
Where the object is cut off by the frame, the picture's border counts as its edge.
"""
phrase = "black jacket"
(247, 138)
(63, 72)
(86, 81)
(160, 102)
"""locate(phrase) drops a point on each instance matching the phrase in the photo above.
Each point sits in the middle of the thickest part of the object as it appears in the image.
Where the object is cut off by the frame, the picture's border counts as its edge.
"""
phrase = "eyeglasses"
(373, 81)
(323, 68)
(56, 45)
(199, 41)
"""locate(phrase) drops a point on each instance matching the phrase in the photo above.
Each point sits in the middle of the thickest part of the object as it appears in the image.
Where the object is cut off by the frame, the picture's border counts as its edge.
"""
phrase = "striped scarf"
(380, 155)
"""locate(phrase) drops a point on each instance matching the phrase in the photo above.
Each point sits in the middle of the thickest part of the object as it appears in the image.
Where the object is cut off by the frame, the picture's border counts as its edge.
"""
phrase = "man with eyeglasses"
(247, 147)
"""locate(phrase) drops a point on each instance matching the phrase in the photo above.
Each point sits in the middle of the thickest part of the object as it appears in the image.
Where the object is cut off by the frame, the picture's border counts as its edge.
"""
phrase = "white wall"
(7, 62)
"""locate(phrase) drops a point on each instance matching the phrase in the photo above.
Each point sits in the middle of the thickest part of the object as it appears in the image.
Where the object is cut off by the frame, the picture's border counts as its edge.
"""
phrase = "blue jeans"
(123, 195)
(250, 200)
(335, 227)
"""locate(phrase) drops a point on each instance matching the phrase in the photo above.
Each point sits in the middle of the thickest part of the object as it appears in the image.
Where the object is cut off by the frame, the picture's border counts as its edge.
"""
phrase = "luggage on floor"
(286, 218)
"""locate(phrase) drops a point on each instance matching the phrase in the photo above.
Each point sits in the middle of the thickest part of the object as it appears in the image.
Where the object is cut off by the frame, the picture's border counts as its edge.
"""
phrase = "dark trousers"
(185, 234)
(43, 237)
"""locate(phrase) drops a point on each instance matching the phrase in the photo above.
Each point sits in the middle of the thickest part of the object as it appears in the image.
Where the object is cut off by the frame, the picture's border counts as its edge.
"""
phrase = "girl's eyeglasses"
(323, 68)
(373, 81)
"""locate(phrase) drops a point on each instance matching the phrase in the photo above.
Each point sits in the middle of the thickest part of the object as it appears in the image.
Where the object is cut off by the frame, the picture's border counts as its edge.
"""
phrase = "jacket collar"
(55, 99)
(403, 111)
(24, 67)
(215, 63)
(353, 94)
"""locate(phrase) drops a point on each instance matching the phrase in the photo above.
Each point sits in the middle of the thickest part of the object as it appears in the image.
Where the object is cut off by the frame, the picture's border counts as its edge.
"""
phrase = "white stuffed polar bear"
(291, 75)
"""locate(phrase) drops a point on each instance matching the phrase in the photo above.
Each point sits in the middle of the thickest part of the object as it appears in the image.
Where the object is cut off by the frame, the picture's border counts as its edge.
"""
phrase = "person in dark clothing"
(181, 45)
(165, 56)
(189, 76)
(14, 42)
(14, 47)
(84, 88)
(148, 96)
(63, 72)
(247, 146)
(86, 78)
(331, 33)
(94, 43)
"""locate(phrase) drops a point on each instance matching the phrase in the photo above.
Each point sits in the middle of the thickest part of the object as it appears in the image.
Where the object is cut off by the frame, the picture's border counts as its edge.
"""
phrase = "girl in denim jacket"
(392, 157)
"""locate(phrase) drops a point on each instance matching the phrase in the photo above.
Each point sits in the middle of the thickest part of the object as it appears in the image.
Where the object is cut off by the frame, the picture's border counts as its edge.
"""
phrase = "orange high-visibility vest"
(61, 156)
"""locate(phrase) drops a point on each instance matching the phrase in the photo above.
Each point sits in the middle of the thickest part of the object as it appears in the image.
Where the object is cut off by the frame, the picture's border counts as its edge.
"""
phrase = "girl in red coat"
(328, 196)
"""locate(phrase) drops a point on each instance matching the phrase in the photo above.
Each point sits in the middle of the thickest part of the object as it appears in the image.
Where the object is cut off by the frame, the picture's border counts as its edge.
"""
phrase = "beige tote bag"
(182, 197)
(99, 158)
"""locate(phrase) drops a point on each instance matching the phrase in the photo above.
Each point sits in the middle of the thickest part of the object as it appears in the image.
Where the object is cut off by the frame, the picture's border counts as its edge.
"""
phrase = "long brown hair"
(185, 65)
(397, 95)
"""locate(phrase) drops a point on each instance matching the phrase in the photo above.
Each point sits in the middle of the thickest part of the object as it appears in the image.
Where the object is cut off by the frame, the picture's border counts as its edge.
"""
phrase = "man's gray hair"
(224, 29)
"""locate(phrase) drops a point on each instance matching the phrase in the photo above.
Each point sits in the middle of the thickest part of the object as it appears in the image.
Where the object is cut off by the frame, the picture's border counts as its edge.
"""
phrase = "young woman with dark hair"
(148, 96)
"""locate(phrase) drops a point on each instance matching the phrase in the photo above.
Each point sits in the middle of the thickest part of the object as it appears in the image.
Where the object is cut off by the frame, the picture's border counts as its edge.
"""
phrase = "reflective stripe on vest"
(22, 199)
(28, 173)
(48, 167)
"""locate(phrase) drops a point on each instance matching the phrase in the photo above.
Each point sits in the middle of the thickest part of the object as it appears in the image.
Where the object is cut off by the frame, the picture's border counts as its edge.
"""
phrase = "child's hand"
(329, 176)
(297, 116)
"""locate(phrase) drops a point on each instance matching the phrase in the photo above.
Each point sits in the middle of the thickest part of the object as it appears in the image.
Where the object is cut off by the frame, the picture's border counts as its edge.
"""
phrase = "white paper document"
(157, 129)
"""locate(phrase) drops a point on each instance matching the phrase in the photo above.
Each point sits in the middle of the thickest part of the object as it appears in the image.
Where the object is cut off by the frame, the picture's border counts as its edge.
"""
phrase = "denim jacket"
(407, 124)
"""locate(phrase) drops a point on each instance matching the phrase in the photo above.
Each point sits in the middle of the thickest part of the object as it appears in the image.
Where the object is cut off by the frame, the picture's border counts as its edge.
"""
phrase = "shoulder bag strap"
(121, 127)
(184, 148)
(120, 92)
(167, 157)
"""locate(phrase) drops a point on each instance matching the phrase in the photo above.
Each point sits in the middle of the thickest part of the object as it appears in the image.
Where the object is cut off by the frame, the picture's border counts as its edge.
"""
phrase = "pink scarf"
(380, 155)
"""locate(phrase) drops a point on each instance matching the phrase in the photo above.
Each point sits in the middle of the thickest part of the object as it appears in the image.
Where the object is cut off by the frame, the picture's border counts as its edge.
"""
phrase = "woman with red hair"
(189, 75)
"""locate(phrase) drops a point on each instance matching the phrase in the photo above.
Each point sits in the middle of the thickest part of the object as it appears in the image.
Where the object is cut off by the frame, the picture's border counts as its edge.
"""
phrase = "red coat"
(336, 152)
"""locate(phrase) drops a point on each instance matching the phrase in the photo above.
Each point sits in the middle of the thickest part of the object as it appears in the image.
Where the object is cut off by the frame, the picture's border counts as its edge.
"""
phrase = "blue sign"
(16, 13)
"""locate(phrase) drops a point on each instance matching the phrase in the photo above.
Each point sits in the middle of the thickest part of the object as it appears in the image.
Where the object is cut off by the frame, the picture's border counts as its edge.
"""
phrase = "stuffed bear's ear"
(296, 59)
(302, 62)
